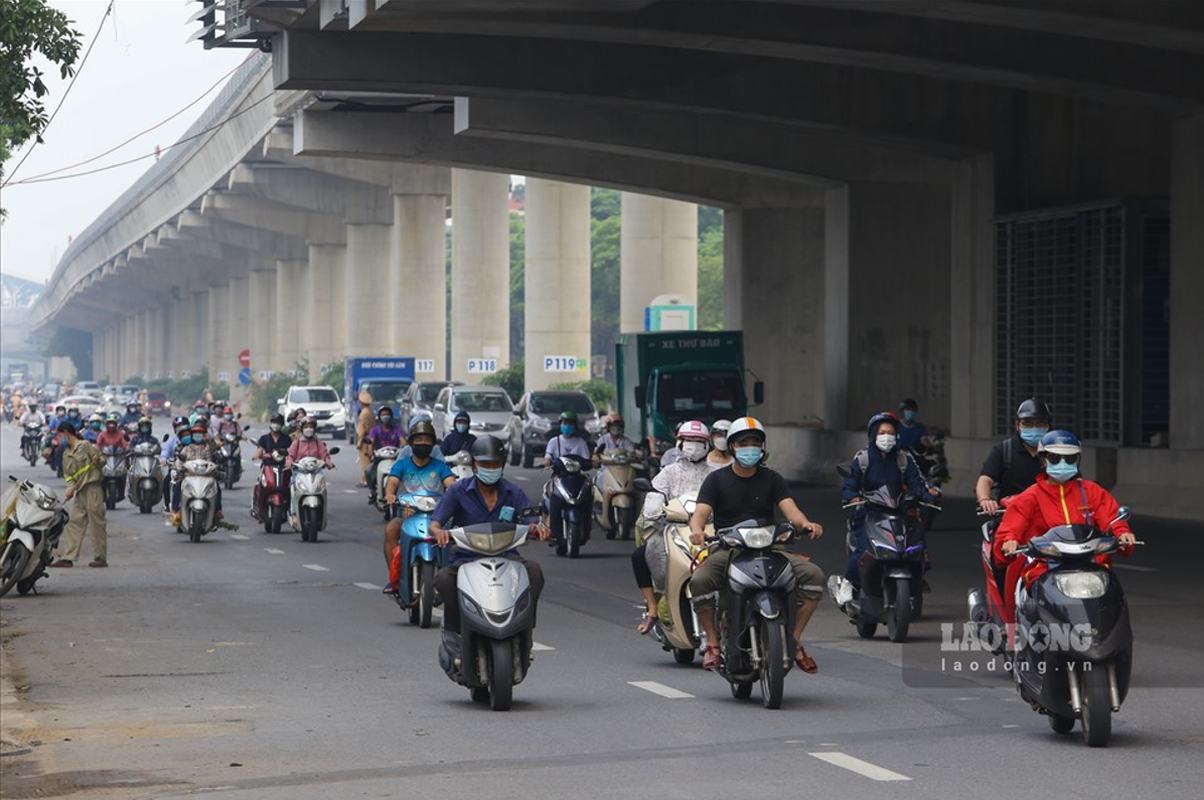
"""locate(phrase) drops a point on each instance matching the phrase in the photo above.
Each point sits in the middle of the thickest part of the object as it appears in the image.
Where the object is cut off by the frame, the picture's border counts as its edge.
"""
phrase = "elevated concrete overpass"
(966, 201)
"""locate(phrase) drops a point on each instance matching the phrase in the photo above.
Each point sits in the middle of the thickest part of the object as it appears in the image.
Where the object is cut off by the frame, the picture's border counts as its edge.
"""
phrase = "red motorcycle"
(272, 491)
(988, 606)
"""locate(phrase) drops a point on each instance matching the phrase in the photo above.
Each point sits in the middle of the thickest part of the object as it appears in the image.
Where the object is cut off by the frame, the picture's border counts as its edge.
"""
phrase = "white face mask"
(885, 442)
(308, 433)
(694, 451)
(720, 444)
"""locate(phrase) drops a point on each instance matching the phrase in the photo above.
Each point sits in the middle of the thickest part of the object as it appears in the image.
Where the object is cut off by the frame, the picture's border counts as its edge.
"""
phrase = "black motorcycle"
(1074, 644)
(755, 628)
(31, 440)
(571, 483)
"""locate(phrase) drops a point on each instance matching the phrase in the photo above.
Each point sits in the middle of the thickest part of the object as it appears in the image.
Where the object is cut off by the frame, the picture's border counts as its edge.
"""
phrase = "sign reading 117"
(424, 365)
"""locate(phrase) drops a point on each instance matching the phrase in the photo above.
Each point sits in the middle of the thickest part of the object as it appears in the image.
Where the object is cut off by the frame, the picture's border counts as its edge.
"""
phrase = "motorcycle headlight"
(571, 466)
(426, 504)
(757, 538)
(539, 423)
(1082, 585)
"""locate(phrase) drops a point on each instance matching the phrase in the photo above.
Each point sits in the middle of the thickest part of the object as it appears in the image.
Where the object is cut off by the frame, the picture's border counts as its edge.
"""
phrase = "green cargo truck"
(667, 378)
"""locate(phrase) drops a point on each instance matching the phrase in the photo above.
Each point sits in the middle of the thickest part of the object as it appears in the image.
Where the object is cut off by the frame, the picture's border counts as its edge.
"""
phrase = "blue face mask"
(910, 416)
(1061, 471)
(567, 430)
(461, 427)
(749, 456)
(489, 476)
(185, 440)
(1032, 436)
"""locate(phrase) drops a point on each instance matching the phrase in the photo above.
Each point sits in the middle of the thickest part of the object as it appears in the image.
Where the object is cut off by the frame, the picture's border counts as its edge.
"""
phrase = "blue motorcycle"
(418, 557)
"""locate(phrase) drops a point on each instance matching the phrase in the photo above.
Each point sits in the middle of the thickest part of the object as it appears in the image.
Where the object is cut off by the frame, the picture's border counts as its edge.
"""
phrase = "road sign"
(244, 358)
(564, 364)
(482, 366)
(424, 365)
(244, 376)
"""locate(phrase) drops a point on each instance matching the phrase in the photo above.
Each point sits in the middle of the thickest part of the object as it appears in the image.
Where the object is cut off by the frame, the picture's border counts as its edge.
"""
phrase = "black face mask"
(422, 450)
(386, 422)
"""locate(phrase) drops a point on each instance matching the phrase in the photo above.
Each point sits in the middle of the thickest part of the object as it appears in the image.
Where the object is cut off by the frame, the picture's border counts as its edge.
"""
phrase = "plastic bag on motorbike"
(657, 556)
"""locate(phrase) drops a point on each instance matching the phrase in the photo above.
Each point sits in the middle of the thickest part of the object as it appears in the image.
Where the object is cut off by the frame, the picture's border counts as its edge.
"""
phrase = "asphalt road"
(257, 666)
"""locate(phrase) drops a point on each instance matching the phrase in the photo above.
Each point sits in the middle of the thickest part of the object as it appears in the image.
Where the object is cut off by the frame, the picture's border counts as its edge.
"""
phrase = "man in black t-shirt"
(1012, 465)
(746, 490)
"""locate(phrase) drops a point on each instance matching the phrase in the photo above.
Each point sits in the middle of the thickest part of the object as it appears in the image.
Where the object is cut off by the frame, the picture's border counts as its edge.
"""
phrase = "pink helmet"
(693, 429)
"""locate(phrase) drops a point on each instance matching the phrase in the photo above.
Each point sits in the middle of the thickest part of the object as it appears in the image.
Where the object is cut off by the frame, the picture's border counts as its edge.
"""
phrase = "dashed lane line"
(660, 688)
(273, 551)
(538, 646)
(316, 567)
(365, 585)
(239, 536)
(863, 768)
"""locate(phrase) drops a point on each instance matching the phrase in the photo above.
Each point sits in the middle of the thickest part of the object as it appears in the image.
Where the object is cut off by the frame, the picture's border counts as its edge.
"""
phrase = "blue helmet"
(871, 430)
(1063, 443)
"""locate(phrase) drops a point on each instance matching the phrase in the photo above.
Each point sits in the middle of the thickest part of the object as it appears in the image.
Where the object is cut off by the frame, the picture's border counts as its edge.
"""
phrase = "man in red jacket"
(1061, 496)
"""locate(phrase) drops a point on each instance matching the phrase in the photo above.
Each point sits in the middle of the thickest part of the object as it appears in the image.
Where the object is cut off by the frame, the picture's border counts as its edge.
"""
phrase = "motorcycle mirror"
(844, 470)
(758, 393)
(166, 436)
(644, 485)
(1122, 514)
(334, 450)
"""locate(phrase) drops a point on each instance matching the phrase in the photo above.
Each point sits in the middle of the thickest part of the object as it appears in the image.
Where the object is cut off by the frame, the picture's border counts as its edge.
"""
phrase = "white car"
(88, 404)
(89, 388)
(320, 402)
(488, 407)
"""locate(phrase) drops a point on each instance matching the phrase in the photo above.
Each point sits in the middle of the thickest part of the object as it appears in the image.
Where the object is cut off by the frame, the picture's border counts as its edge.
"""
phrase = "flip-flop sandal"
(805, 662)
(646, 624)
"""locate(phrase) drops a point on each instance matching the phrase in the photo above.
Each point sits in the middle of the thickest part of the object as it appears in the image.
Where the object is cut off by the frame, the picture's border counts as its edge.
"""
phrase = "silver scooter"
(33, 524)
(198, 498)
(144, 482)
(308, 513)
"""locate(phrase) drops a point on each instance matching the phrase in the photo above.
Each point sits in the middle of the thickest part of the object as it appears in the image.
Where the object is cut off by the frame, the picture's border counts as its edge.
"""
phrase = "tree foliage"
(512, 379)
(30, 30)
(601, 392)
(74, 344)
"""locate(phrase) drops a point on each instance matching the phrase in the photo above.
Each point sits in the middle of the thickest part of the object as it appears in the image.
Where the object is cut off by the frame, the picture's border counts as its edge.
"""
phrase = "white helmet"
(745, 425)
(693, 429)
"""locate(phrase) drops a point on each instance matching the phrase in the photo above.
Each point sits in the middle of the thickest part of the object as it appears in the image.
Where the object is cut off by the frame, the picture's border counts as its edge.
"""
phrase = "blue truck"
(386, 378)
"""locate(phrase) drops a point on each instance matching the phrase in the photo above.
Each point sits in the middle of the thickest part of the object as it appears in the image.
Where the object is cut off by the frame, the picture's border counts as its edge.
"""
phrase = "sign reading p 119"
(564, 364)
(482, 366)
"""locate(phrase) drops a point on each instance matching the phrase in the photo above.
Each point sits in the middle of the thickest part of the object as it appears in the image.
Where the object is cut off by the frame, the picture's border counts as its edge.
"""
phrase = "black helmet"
(1033, 408)
(871, 429)
(423, 426)
(488, 448)
(277, 418)
(908, 403)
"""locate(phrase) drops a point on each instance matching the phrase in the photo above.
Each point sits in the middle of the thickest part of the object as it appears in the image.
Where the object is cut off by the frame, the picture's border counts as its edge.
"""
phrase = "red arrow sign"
(244, 358)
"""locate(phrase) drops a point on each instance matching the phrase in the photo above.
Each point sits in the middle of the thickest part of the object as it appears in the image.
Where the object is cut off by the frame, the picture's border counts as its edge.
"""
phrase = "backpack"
(863, 462)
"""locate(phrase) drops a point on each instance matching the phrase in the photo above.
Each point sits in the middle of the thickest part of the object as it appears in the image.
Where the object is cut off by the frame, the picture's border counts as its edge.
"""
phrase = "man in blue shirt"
(417, 472)
(485, 497)
(913, 435)
(570, 443)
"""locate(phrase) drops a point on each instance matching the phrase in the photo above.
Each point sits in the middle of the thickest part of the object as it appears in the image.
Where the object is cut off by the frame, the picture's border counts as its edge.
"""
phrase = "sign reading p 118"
(482, 366)
(424, 365)
(564, 364)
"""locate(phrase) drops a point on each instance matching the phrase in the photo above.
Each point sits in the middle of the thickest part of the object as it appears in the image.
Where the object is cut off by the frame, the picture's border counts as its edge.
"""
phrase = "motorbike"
(571, 482)
(273, 492)
(934, 467)
(987, 606)
(672, 560)
(416, 558)
(891, 568)
(491, 652)
(755, 630)
(616, 500)
(33, 523)
(385, 458)
(460, 464)
(29, 442)
(309, 497)
(231, 458)
(1074, 642)
(198, 498)
(113, 474)
(144, 484)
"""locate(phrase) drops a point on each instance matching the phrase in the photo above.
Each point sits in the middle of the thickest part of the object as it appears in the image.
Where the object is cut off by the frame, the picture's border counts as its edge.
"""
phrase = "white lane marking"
(521, 477)
(316, 567)
(863, 768)
(239, 536)
(538, 646)
(1011, 726)
(1133, 568)
(371, 586)
(273, 551)
(350, 491)
(659, 688)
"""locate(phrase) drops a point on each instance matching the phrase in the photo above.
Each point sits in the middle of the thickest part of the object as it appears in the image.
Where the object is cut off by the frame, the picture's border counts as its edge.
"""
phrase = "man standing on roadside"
(81, 466)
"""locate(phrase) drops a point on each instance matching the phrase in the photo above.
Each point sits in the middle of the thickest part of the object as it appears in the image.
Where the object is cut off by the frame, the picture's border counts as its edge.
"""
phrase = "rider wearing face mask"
(1013, 465)
(274, 441)
(420, 471)
(614, 439)
(719, 455)
(567, 443)
(1060, 496)
(384, 434)
(883, 463)
(308, 444)
(458, 438)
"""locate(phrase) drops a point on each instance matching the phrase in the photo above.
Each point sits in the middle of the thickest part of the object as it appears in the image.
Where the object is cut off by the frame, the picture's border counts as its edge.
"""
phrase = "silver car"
(489, 407)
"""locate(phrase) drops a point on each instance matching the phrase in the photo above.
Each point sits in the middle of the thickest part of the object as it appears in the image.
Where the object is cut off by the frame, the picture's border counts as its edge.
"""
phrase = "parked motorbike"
(891, 568)
(309, 507)
(231, 458)
(417, 558)
(144, 484)
(198, 498)
(273, 491)
(755, 630)
(491, 652)
(113, 474)
(1074, 643)
(385, 458)
(616, 501)
(29, 442)
(33, 524)
(672, 560)
(571, 482)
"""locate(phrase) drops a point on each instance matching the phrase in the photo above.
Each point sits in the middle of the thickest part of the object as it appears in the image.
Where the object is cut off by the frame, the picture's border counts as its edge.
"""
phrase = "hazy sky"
(140, 72)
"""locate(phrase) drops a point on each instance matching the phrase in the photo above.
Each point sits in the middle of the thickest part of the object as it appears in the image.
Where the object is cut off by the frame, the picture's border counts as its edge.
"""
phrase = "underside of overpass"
(966, 201)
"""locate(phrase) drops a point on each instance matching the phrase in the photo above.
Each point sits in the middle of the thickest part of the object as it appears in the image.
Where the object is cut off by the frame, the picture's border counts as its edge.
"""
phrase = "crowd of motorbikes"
(491, 653)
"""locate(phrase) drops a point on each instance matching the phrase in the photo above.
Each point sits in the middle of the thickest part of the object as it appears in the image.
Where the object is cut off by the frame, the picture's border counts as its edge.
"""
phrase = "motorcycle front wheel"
(197, 529)
(898, 619)
(626, 523)
(501, 675)
(309, 524)
(426, 593)
(773, 662)
(575, 537)
(275, 518)
(13, 562)
(1097, 705)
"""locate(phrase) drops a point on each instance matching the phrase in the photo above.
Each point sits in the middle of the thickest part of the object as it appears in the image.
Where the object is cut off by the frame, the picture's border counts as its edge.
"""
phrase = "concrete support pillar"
(141, 345)
(972, 300)
(480, 294)
(1187, 283)
(291, 277)
(176, 328)
(369, 267)
(836, 309)
(320, 325)
(261, 333)
(98, 355)
(129, 349)
(238, 337)
(220, 318)
(733, 270)
(658, 254)
(419, 292)
(155, 342)
(557, 283)
(198, 353)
